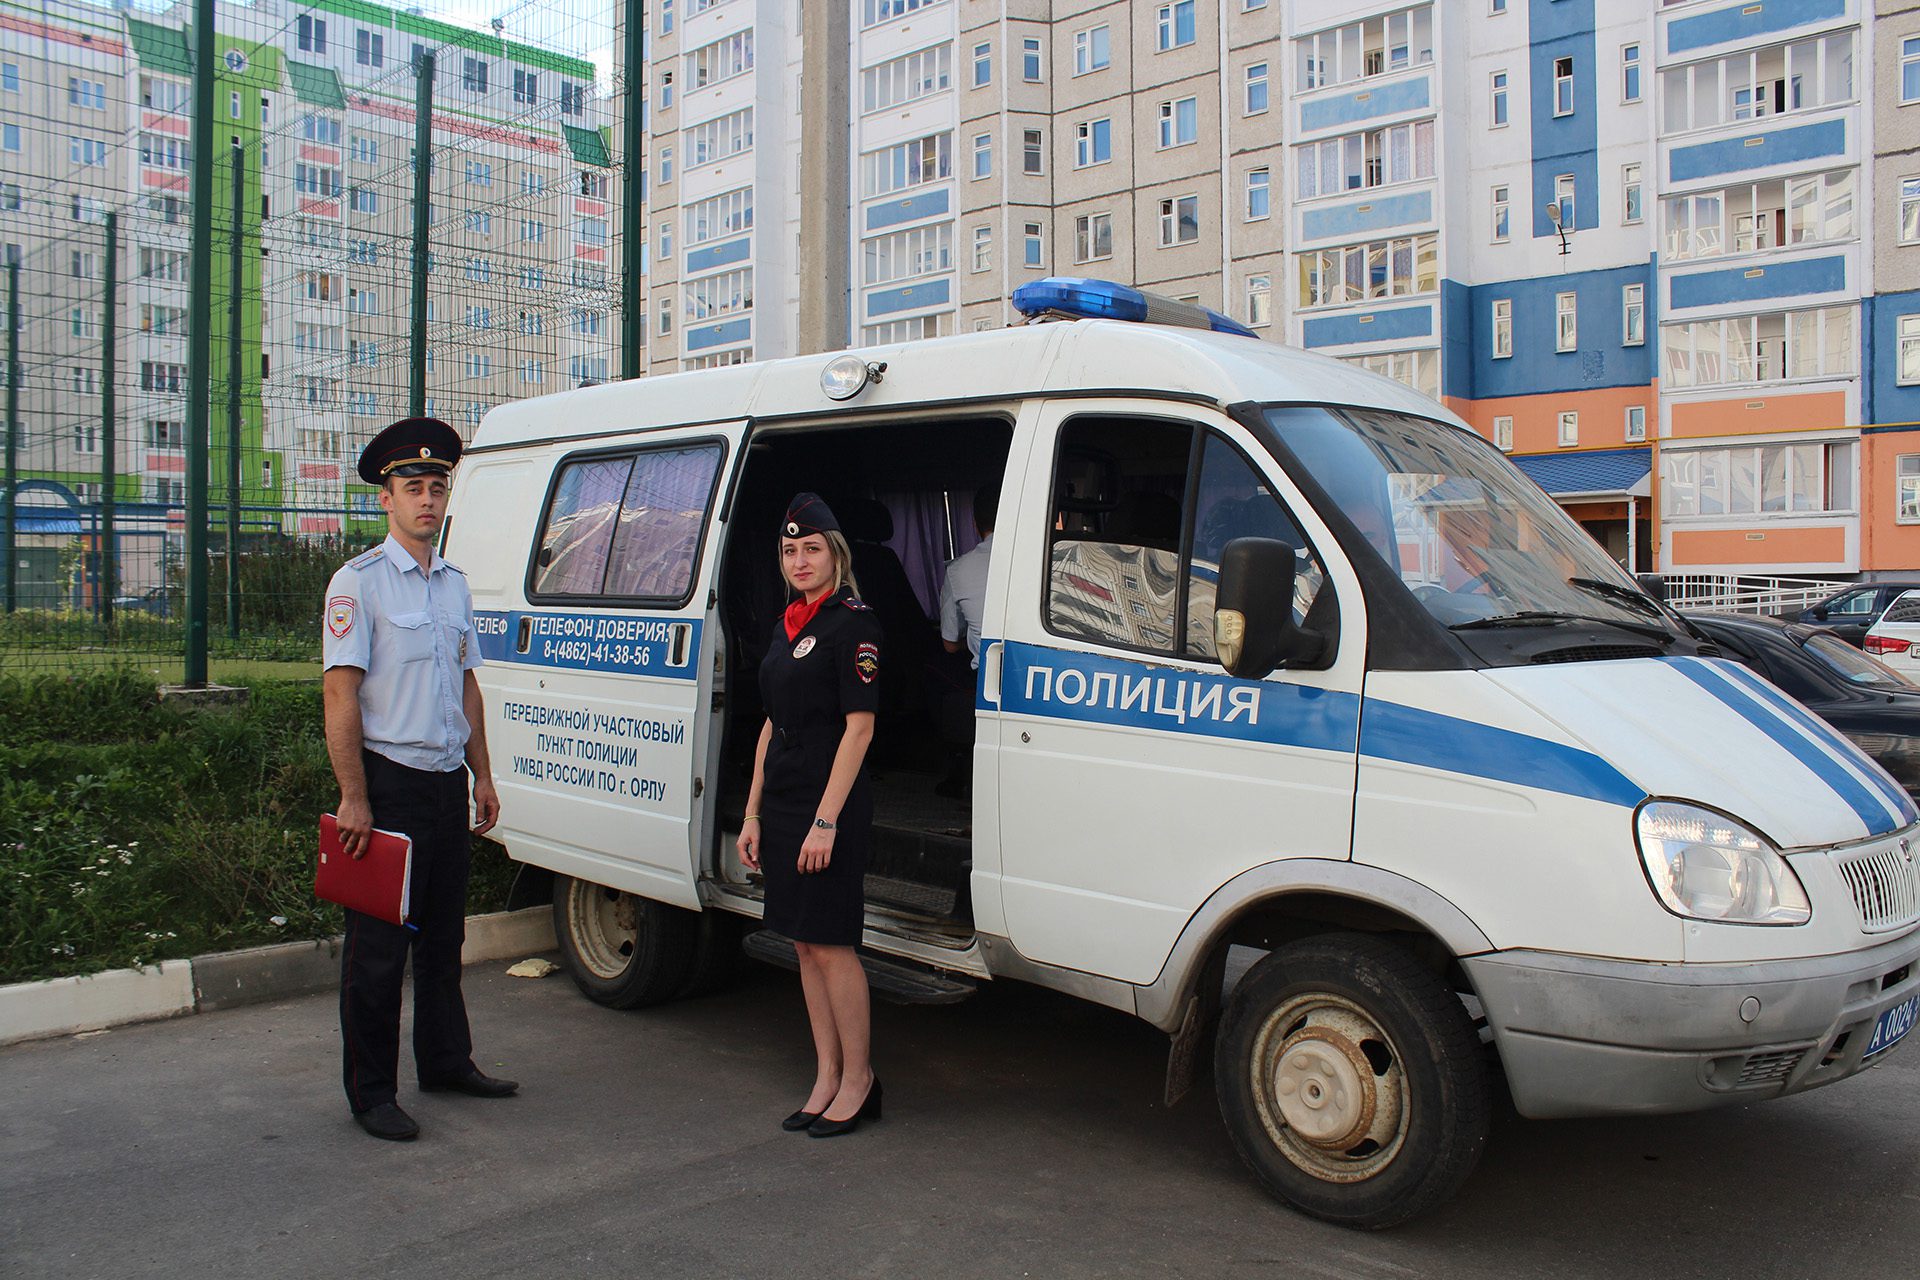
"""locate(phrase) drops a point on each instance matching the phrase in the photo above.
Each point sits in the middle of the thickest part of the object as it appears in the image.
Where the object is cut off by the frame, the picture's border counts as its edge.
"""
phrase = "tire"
(717, 957)
(623, 951)
(1351, 1081)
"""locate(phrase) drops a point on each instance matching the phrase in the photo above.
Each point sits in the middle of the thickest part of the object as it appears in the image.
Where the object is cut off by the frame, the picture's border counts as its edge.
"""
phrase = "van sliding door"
(599, 673)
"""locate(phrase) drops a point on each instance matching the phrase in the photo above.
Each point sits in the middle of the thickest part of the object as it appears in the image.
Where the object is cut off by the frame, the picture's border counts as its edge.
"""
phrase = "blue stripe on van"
(1389, 731)
(1821, 731)
(1865, 804)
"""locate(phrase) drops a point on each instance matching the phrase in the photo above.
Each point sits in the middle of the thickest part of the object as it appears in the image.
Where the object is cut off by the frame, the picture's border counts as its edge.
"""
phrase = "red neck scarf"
(800, 613)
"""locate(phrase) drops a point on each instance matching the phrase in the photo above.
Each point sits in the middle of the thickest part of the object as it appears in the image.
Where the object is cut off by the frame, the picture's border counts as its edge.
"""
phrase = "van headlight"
(1706, 866)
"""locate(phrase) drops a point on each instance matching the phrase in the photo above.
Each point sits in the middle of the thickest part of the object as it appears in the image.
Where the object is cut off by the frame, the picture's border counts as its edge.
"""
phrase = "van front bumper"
(1580, 1036)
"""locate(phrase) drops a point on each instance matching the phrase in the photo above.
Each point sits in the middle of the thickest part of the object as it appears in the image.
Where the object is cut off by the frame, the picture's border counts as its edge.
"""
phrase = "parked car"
(1894, 637)
(1849, 613)
(1876, 706)
(154, 600)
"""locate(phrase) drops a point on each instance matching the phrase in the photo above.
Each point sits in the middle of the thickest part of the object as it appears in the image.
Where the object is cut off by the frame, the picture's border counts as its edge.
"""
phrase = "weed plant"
(132, 832)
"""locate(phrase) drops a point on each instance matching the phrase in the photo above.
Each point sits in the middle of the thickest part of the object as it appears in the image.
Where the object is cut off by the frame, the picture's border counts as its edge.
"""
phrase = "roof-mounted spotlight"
(846, 376)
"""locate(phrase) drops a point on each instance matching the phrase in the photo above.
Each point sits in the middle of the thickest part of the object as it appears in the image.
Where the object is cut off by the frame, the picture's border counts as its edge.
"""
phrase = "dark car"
(1873, 705)
(1849, 613)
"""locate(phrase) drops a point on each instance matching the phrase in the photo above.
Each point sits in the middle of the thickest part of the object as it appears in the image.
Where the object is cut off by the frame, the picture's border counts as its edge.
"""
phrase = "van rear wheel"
(1352, 1081)
(623, 951)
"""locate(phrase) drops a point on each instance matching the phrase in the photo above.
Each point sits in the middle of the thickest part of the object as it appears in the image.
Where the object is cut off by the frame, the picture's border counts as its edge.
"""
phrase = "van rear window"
(625, 526)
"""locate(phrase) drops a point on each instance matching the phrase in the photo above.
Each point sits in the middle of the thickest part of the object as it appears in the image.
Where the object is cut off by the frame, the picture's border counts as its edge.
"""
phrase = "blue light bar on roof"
(1105, 300)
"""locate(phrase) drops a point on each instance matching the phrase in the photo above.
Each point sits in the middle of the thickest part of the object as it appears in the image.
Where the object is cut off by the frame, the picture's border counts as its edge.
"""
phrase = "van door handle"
(990, 674)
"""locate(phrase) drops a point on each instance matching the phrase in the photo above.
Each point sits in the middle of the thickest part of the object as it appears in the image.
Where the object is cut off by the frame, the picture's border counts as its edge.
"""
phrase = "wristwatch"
(823, 824)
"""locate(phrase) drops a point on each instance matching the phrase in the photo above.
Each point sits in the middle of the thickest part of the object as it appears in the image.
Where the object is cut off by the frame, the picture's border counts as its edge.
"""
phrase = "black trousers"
(432, 809)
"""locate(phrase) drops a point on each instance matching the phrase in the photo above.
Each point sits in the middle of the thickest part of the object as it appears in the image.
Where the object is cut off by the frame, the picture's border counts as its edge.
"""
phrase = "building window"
(982, 248)
(526, 86)
(1176, 25)
(1179, 122)
(666, 239)
(1033, 151)
(904, 79)
(982, 65)
(1256, 88)
(666, 15)
(907, 164)
(1909, 350)
(1502, 328)
(1769, 347)
(1563, 86)
(1382, 269)
(1093, 237)
(665, 315)
(1566, 332)
(1569, 429)
(1907, 488)
(1910, 69)
(1636, 430)
(1374, 46)
(1630, 73)
(1259, 194)
(1503, 434)
(1502, 222)
(1910, 211)
(312, 33)
(1179, 221)
(1630, 193)
(1379, 157)
(1633, 315)
(1093, 143)
(983, 155)
(1259, 301)
(1563, 196)
(1496, 6)
(1092, 50)
(369, 48)
(666, 165)
(1034, 243)
(473, 75)
(1030, 68)
(1499, 100)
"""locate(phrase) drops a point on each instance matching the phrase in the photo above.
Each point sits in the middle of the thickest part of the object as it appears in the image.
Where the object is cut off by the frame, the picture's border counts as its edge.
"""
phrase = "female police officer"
(809, 811)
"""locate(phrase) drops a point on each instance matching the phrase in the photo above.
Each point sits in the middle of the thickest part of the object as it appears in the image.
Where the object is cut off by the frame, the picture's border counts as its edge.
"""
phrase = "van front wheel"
(1352, 1081)
(623, 951)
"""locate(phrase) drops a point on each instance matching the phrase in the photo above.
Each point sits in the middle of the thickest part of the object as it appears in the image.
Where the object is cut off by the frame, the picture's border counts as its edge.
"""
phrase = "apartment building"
(318, 99)
(1890, 438)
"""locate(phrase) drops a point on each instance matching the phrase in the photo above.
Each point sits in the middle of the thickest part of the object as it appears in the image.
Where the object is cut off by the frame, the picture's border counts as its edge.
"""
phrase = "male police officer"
(404, 725)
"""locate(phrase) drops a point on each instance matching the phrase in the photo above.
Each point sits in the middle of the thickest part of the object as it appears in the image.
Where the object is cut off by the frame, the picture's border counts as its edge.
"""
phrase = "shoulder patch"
(366, 557)
(858, 605)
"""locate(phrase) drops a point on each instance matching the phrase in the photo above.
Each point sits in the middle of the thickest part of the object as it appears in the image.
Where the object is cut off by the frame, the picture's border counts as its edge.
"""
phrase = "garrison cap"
(808, 513)
(411, 447)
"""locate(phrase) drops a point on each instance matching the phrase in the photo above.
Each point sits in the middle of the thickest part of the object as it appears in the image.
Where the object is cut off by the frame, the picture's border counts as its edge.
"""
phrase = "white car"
(1895, 637)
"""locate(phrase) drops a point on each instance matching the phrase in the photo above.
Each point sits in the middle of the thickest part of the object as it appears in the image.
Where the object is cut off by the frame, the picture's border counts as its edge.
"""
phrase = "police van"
(1277, 655)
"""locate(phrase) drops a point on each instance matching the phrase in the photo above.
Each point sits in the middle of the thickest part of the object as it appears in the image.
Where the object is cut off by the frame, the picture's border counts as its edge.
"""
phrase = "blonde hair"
(842, 555)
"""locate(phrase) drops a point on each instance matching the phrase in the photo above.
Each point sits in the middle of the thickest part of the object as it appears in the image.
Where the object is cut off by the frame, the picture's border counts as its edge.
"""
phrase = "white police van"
(1276, 655)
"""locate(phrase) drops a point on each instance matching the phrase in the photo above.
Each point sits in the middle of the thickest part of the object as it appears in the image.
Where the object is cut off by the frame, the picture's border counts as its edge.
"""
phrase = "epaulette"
(857, 604)
(367, 557)
(456, 568)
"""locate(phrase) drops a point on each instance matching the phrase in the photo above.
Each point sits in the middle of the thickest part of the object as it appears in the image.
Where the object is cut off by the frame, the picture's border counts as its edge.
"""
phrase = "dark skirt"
(822, 907)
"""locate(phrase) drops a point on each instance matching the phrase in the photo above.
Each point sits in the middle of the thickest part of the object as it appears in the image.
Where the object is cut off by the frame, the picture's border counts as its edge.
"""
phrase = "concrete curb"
(172, 988)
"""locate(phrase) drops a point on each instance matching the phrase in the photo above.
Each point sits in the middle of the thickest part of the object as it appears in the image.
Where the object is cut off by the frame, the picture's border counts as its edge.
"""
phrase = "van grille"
(1596, 653)
(1768, 1068)
(1885, 884)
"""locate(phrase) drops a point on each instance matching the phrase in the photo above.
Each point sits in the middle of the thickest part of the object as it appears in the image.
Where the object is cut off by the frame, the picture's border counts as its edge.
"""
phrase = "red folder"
(378, 883)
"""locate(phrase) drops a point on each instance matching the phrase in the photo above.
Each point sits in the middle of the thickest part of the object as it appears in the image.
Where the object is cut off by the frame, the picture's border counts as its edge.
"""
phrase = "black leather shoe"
(799, 1120)
(869, 1110)
(388, 1121)
(474, 1084)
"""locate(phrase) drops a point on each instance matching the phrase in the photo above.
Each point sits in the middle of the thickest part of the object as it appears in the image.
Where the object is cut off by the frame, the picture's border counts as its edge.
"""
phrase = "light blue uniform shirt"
(412, 633)
(963, 597)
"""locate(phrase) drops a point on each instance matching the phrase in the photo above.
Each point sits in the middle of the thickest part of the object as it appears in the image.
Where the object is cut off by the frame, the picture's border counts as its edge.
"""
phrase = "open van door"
(596, 624)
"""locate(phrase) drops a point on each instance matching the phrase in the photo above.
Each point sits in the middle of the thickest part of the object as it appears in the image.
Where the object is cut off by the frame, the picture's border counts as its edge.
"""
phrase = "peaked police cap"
(807, 513)
(411, 447)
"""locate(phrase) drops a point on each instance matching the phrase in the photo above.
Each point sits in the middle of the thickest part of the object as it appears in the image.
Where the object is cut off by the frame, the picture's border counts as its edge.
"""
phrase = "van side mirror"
(1654, 584)
(1253, 627)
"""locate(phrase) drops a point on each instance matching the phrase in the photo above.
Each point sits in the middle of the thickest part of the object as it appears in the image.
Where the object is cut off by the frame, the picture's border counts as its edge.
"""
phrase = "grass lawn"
(152, 665)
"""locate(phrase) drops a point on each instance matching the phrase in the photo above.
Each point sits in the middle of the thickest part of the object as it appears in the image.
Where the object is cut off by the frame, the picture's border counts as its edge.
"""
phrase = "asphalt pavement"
(1023, 1136)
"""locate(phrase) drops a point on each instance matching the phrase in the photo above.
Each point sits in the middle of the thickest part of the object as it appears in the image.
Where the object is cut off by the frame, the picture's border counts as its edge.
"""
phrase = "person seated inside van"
(963, 594)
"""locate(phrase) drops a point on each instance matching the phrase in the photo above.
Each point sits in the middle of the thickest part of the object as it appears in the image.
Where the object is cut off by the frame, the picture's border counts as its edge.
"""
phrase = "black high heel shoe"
(799, 1120)
(869, 1110)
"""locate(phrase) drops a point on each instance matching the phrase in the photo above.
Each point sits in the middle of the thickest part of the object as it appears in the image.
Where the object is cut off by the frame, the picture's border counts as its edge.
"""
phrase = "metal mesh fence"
(308, 341)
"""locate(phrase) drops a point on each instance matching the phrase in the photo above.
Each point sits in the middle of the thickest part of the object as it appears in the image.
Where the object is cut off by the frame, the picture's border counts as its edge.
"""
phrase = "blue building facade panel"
(926, 204)
(1746, 21)
(1568, 144)
(1456, 339)
(1536, 366)
(1347, 221)
(1888, 402)
(719, 335)
(1755, 284)
(707, 257)
(1758, 151)
(1367, 104)
(1393, 325)
(925, 293)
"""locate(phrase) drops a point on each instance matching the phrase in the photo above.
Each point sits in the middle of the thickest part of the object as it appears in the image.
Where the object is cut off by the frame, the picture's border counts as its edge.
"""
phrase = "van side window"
(627, 526)
(1136, 546)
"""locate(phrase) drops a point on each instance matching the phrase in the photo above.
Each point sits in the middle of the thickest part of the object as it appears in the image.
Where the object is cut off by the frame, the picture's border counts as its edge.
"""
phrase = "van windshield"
(1477, 543)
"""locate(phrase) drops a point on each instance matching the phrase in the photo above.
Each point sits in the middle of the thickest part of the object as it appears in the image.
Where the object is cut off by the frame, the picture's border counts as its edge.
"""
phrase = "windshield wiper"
(1547, 617)
(1625, 595)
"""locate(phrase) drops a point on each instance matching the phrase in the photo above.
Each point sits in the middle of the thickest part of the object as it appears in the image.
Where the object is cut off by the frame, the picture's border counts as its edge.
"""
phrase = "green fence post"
(422, 229)
(199, 344)
(107, 581)
(13, 432)
(633, 317)
(234, 242)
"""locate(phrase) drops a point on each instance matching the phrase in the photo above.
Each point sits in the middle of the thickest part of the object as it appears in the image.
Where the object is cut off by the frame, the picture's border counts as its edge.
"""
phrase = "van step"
(894, 980)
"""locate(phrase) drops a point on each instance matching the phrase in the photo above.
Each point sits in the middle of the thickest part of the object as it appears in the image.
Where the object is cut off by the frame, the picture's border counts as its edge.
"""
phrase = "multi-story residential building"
(1890, 440)
(318, 98)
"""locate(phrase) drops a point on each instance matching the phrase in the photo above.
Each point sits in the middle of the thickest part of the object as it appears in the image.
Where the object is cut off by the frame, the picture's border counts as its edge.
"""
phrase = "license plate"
(1893, 1024)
